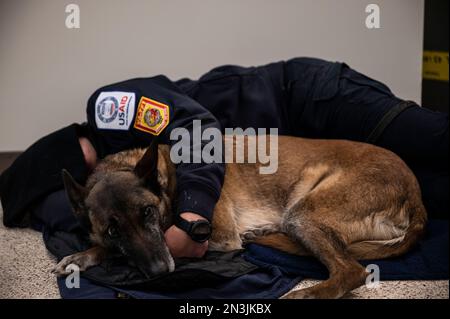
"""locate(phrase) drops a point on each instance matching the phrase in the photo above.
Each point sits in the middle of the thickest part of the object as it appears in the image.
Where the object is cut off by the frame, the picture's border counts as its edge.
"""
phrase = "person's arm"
(198, 184)
(151, 108)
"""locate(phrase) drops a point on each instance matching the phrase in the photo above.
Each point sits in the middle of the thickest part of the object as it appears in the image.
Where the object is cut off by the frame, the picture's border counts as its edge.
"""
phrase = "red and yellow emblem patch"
(152, 116)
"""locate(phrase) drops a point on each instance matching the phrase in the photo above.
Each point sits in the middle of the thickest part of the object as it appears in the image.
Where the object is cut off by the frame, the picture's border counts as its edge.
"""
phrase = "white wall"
(47, 71)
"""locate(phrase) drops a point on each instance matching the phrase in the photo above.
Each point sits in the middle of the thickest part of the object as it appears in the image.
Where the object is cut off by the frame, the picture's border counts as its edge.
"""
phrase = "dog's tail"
(378, 249)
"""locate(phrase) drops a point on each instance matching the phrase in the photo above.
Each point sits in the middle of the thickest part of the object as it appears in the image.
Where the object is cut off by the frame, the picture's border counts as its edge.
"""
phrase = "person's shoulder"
(138, 81)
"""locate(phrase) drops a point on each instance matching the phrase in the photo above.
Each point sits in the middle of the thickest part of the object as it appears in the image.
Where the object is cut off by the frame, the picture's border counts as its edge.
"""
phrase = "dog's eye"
(147, 211)
(113, 232)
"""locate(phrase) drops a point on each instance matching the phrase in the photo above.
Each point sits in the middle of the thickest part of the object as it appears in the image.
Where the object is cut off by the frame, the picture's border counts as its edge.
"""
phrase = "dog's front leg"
(83, 260)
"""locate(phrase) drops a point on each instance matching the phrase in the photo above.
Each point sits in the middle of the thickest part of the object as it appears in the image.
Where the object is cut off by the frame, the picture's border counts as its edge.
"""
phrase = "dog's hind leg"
(325, 244)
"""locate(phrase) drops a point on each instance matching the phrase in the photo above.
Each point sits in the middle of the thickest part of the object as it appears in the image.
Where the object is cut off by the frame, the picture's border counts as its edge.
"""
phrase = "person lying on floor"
(302, 97)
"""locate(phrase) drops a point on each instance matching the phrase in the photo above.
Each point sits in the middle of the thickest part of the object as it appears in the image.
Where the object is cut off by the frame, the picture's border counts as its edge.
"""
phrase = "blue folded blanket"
(279, 272)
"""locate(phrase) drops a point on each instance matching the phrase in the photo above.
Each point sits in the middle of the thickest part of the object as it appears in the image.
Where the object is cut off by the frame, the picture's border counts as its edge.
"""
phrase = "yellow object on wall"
(435, 65)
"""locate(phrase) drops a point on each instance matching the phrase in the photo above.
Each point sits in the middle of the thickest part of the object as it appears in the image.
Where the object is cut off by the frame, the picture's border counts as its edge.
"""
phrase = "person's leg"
(332, 101)
(421, 138)
(357, 107)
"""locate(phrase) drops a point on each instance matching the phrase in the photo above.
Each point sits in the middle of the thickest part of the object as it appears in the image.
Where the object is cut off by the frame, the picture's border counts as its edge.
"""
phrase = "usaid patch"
(114, 110)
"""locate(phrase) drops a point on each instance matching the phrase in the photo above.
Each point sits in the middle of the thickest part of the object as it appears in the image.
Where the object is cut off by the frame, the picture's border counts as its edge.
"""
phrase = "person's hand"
(180, 244)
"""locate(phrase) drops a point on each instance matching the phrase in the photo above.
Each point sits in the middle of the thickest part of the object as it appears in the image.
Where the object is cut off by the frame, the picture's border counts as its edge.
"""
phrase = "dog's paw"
(81, 260)
(300, 294)
(259, 231)
(319, 291)
(248, 236)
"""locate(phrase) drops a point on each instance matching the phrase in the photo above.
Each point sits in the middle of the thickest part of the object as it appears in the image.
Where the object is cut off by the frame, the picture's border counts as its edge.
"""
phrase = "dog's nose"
(156, 268)
(160, 267)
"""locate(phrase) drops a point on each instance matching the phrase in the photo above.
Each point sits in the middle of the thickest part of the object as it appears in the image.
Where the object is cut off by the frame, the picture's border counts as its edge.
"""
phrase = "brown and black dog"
(339, 201)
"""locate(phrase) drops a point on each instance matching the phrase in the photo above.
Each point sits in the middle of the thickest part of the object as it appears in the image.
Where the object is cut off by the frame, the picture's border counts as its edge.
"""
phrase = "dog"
(337, 200)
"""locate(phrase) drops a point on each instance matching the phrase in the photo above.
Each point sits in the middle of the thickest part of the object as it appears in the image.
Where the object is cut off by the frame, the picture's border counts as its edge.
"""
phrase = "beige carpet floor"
(25, 268)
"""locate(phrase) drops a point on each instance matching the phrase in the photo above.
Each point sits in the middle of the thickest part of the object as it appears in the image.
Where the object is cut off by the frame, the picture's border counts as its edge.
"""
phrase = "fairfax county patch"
(152, 116)
(114, 110)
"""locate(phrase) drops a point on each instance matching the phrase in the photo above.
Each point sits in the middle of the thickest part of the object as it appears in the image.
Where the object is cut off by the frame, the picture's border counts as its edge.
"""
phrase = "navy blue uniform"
(301, 97)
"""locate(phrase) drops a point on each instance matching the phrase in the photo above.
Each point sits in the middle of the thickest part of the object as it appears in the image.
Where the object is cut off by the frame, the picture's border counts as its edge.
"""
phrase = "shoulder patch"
(152, 116)
(114, 110)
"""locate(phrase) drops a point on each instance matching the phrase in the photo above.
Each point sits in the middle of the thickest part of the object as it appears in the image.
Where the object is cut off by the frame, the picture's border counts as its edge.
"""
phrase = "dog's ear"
(77, 195)
(147, 167)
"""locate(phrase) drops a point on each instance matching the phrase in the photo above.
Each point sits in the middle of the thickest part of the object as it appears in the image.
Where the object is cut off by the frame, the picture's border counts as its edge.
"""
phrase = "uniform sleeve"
(132, 113)
(198, 184)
